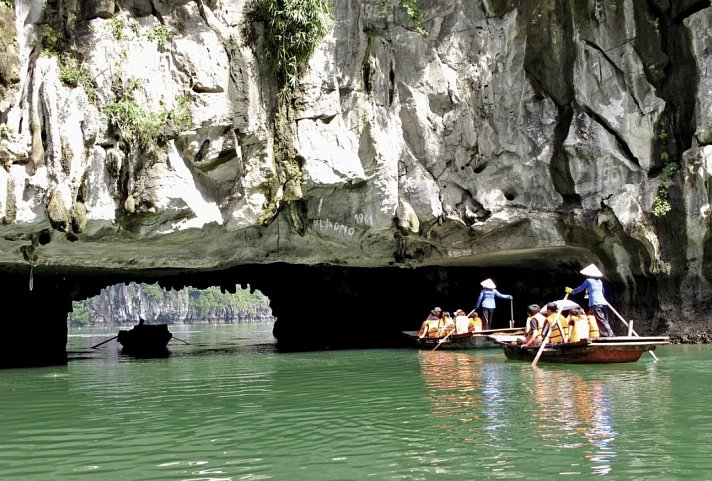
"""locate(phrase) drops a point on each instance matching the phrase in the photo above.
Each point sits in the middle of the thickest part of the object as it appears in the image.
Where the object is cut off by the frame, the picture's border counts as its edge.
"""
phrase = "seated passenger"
(578, 325)
(431, 324)
(475, 324)
(534, 325)
(447, 325)
(462, 322)
(555, 325)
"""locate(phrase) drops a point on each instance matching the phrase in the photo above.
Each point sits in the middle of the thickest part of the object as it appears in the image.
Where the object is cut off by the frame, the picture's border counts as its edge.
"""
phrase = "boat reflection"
(573, 412)
(454, 382)
(485, 405)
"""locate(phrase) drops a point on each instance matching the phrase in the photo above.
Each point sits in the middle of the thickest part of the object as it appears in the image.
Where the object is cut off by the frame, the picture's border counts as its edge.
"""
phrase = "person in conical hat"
(488, 283)
(597, 303)
(591, 271)
(486, 299)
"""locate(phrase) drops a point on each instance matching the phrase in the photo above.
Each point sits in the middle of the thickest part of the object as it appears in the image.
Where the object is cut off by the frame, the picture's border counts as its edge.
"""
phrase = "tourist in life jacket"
(534, 325)
(486, 299)
(475, 324)
(462, 322)
(431, 324)
(597, 303)
(578, 325)
(465, 323)
(447, 325)
(556, 324)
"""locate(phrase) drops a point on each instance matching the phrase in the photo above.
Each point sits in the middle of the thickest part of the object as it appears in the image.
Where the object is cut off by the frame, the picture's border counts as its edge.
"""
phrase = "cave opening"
(315, 306)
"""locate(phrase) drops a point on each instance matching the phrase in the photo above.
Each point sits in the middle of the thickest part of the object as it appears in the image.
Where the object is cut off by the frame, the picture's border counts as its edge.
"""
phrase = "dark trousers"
(599, 312)
(487, 318)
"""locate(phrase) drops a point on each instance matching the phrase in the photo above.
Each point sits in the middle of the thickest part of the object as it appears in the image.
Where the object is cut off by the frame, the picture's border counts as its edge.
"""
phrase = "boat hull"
(477, 340)
(588, 351)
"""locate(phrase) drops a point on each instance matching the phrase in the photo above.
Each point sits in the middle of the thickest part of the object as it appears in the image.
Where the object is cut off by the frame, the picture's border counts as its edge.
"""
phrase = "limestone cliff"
(121, 305)
(150, 135)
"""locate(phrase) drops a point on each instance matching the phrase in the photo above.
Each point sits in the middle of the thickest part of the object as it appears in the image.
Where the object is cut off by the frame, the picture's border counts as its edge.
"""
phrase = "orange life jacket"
(430, 328)
(475, 324)
(534, 327)
(579, 328)
(557, 329)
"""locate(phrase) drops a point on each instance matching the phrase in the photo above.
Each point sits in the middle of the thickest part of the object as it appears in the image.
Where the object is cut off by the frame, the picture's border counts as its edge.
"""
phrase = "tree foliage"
(293, 30)
(202, 303)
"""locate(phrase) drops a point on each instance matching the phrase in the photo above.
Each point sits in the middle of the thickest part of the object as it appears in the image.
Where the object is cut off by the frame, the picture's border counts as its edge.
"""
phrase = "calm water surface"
(229, 406)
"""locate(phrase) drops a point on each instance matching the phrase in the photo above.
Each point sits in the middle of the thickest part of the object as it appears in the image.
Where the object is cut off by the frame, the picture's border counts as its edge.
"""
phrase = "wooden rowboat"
(145, 340)
(600, 350)
(467, 340)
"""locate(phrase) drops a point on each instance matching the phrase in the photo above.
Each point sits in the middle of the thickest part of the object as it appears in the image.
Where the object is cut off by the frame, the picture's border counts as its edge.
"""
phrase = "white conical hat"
(591, 271)
(488, 284)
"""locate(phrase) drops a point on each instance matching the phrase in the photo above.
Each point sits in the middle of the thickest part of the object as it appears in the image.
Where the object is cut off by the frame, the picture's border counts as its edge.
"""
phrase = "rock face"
(523, 139)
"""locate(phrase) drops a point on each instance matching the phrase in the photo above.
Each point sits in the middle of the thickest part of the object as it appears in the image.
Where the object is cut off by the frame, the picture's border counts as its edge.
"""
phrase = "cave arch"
(316, 306)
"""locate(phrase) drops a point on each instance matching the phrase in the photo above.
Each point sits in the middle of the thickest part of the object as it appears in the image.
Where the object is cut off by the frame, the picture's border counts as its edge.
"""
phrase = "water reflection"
(489, 404)
(573, 412)
(233, 409)
(454, 382)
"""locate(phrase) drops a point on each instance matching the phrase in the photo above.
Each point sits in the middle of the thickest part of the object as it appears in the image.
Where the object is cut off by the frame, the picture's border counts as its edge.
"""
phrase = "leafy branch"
(143, 127)
(293, 30)
(414, 12)
(661, 204)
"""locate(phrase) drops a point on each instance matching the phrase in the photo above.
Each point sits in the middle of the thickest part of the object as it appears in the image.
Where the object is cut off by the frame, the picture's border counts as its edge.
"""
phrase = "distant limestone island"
(124, 305)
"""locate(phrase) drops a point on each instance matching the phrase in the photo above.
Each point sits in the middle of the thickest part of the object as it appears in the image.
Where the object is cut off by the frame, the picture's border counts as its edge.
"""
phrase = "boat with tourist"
(467, 340)
(601, 350)
(145, 339)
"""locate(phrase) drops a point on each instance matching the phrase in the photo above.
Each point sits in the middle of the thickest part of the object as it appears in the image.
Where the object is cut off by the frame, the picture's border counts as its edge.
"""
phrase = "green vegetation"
(72, 74)
(5, 131)
(293, 29)
(52, 39)
(160, 34)
(412, 9)
(142, 127)
(9, 3)
(117, 25)
(661, 204)
(152, 291)
(80, 312)
(135, 27)
(206, 301)
(370, 31)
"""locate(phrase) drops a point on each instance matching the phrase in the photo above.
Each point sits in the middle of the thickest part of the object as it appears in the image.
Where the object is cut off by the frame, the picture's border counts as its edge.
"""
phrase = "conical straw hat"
(591, 271)
(488, 284)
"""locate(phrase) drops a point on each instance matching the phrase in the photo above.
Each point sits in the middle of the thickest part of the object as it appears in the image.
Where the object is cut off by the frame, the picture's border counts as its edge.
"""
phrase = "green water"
(229, 406)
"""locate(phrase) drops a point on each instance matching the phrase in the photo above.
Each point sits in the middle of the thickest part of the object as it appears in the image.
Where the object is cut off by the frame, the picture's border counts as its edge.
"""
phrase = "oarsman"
(486, 299)
(597, 303)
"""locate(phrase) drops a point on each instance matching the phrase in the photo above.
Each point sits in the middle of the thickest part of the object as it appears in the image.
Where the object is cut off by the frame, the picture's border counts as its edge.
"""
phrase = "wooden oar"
(541, 348)
(440, 341)
(511, 313)
(626, 325)
(97, 345)
(181, 340)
